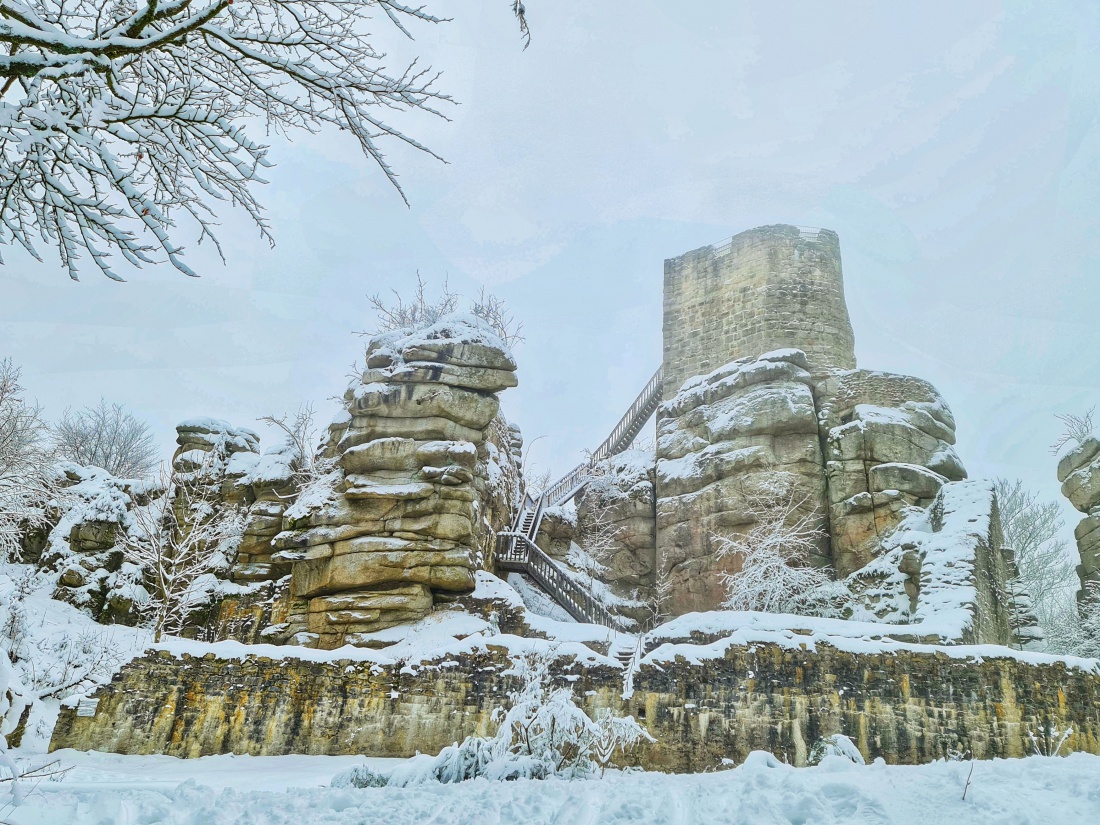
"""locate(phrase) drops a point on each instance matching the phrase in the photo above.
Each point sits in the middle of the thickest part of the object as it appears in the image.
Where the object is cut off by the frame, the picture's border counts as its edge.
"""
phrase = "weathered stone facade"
(907, 706)
(765, 289)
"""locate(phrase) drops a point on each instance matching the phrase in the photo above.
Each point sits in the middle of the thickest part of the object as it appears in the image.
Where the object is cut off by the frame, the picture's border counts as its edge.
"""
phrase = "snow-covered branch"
(28, 482)
(774, 554)
(117, 118)
(180, 539)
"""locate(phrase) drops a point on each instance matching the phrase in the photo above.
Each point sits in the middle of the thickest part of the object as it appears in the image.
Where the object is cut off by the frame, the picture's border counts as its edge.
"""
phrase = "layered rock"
(855, 448)
(887, 442)
(745, 433)
(423, 471)
(1079, 473)
(223, 462)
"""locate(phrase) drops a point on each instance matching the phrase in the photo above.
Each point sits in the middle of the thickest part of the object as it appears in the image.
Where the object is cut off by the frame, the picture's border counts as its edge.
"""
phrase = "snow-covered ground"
(107, 789)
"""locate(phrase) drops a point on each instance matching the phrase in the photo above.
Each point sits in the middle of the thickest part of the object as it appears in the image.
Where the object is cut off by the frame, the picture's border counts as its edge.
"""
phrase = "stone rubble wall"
(908, 707)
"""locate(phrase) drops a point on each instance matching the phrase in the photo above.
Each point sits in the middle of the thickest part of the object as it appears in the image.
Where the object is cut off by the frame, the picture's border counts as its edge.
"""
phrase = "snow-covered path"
(126, 790)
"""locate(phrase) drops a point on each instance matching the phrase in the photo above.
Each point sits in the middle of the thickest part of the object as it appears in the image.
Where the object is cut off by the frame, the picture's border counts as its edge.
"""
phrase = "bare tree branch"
(107, 436)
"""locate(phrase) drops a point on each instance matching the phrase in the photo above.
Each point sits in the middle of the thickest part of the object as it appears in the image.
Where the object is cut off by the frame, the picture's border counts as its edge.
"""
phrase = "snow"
(58, 646)
(454, 328)
(282, 790)
(741, 628)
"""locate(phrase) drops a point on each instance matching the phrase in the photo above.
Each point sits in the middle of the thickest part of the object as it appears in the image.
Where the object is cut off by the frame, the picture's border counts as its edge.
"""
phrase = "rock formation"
(225, 461)
(726, 440)
(616, 521)
(422, 471)
(1079, 473)
(887, 443)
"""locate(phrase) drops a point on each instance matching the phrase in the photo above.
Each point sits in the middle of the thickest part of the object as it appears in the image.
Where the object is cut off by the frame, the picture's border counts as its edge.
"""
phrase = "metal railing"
(517, 552)
(631, 424)
(516, 549)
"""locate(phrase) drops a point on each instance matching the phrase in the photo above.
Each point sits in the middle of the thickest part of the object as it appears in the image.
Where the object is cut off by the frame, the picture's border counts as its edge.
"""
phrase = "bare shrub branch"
(776, 574)
(179, 540)
(1077, 429)
(419, 311)
(304, 443)
(107, 436)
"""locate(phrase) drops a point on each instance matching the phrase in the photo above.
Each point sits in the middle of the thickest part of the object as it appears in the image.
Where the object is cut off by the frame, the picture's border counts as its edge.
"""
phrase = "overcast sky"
(954, 146)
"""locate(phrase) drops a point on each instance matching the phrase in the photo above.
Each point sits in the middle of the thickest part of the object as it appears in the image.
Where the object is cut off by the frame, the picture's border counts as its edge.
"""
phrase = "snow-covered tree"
(542, 733)
(106, 436)
(775, 574)
(117, 117)
(180, 539)
(1032, 530)
(28, 481)
(1075, 629)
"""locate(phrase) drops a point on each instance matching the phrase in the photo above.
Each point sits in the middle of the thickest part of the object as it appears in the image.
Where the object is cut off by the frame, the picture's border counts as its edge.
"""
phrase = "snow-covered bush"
(1049, 741)
(13, 699)
(420, 311)
(835, 745)
(1076, 629)
(775, 574)
(542, 733)
(360, 776)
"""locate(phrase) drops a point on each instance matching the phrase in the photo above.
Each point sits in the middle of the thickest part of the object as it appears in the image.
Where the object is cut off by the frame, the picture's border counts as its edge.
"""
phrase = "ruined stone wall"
(909, 707)
(768, 288)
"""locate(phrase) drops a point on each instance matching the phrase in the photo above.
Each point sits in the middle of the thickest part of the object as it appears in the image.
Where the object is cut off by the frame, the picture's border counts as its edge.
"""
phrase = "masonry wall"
(907, 707)
(769, 288)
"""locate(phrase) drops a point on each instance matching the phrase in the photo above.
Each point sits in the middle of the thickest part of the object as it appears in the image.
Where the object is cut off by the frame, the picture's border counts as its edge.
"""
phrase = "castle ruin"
(759, 404)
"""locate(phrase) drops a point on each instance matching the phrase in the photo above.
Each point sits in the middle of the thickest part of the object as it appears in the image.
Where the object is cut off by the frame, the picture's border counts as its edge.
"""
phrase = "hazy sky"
(954, 146)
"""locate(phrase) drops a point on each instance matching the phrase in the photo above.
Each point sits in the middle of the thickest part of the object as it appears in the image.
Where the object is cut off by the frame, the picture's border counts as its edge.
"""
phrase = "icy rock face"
(226, 460)
(620, 505)
(888, 446)
(424, 469)
(1079, 473)
(745, 432)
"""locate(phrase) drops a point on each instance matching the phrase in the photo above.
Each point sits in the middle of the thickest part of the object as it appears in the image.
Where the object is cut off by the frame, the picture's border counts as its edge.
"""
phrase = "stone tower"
(769, 288)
